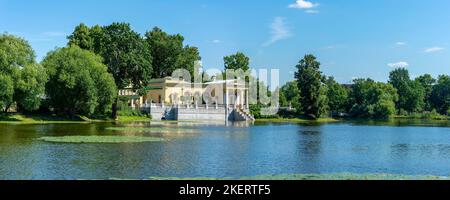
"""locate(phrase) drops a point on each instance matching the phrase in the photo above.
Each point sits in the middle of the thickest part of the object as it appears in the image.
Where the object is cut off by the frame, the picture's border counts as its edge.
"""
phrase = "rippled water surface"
(214, 150)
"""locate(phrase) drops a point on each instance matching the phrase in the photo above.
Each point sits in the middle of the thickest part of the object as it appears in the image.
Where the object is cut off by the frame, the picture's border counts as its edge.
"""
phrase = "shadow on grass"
(24, 117)
(37, 117)
(8, 118)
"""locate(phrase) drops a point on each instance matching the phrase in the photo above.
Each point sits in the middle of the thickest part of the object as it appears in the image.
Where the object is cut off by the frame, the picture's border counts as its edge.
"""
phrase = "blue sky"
(351, 38)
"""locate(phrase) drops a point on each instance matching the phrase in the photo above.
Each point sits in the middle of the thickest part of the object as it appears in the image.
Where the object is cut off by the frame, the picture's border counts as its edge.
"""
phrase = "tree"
(6, 92)
(17, 63)
(337, 96)
(79, 82)
(372, 99)
(427, 82)
(169, 53)
(440, 95)
(30, 87)
(237, 61)
(313, 97)
(124, 51)
(14, 53)
(290, 95)
(411, 94)
(82, 37)
(415, 97)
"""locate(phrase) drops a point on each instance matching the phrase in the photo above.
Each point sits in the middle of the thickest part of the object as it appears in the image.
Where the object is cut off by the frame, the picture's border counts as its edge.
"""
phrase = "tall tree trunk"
(114, 108)
(7, 108)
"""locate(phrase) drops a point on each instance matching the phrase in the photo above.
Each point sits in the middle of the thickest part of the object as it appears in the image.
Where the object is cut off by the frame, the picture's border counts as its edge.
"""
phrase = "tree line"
(315, 95)
(83, 77)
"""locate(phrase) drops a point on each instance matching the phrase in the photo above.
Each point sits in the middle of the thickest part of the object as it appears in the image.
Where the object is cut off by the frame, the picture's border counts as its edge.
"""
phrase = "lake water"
(202, 150)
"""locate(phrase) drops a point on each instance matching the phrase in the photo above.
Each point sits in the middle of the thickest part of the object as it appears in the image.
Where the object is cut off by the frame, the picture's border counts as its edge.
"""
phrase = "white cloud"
(279, 31)
(400, 43)
(303, 4)
(217, 41)
(401, 64)
(312, 11)
(434, 49)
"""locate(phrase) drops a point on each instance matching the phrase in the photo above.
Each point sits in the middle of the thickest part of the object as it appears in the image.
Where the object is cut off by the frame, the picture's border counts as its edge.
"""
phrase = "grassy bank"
(414, 116)
(17, 118)
(133, 118)
(39, 119)
(427, 116)
(296, 120)
(339, 176)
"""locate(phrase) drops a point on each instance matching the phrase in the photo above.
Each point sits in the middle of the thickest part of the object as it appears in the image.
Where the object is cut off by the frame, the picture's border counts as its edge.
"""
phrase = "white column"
(226, 98)
(236, 99)
(226, 105)
(247, 104)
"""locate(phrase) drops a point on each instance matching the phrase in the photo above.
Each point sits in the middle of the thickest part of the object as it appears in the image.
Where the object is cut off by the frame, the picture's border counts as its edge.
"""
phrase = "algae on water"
(101, 139)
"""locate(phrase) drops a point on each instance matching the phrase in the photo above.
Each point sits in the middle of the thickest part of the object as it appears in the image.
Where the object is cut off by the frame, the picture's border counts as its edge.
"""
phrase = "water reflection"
(217, 150)
(310, 144)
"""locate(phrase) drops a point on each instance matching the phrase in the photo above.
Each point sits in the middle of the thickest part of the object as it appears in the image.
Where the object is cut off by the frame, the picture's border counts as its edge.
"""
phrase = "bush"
(384, 108)
(130, 112)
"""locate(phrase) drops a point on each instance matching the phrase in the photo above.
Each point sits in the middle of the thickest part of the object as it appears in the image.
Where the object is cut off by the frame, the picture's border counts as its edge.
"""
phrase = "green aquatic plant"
(101, 139)
(149, 129)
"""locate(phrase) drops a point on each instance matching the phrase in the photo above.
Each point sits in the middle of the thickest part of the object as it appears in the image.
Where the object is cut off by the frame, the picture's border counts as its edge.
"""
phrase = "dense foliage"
(411, 92)
(124, 51)
(440, 95)
(290, 95)
(83, 78)
(313, 92)
(22, 80)
(79, 82)
(337, 96)
(168, 53)
(424, 96)
(237, 61)
(427, 82)
(372, 99)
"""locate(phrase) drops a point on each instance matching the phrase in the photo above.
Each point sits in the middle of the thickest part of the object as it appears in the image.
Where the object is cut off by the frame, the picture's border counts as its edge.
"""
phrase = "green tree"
(313, 97)
(337, 96)
(17, 63)
(6, 92)
(82, 37)
(124, 51)
(290, 95)
(427, 82)
(440, 95)
(169, 53)
(237, 61)
(411, 94)
(372, 99)
(14, 53)
(79, 82)
(30, 87)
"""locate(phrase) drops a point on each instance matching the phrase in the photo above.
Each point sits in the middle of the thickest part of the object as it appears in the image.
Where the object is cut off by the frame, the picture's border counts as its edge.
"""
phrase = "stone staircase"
(243, 115)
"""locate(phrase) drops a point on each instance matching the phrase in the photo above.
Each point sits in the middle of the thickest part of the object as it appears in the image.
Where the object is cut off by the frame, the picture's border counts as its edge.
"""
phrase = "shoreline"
(16, 118)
